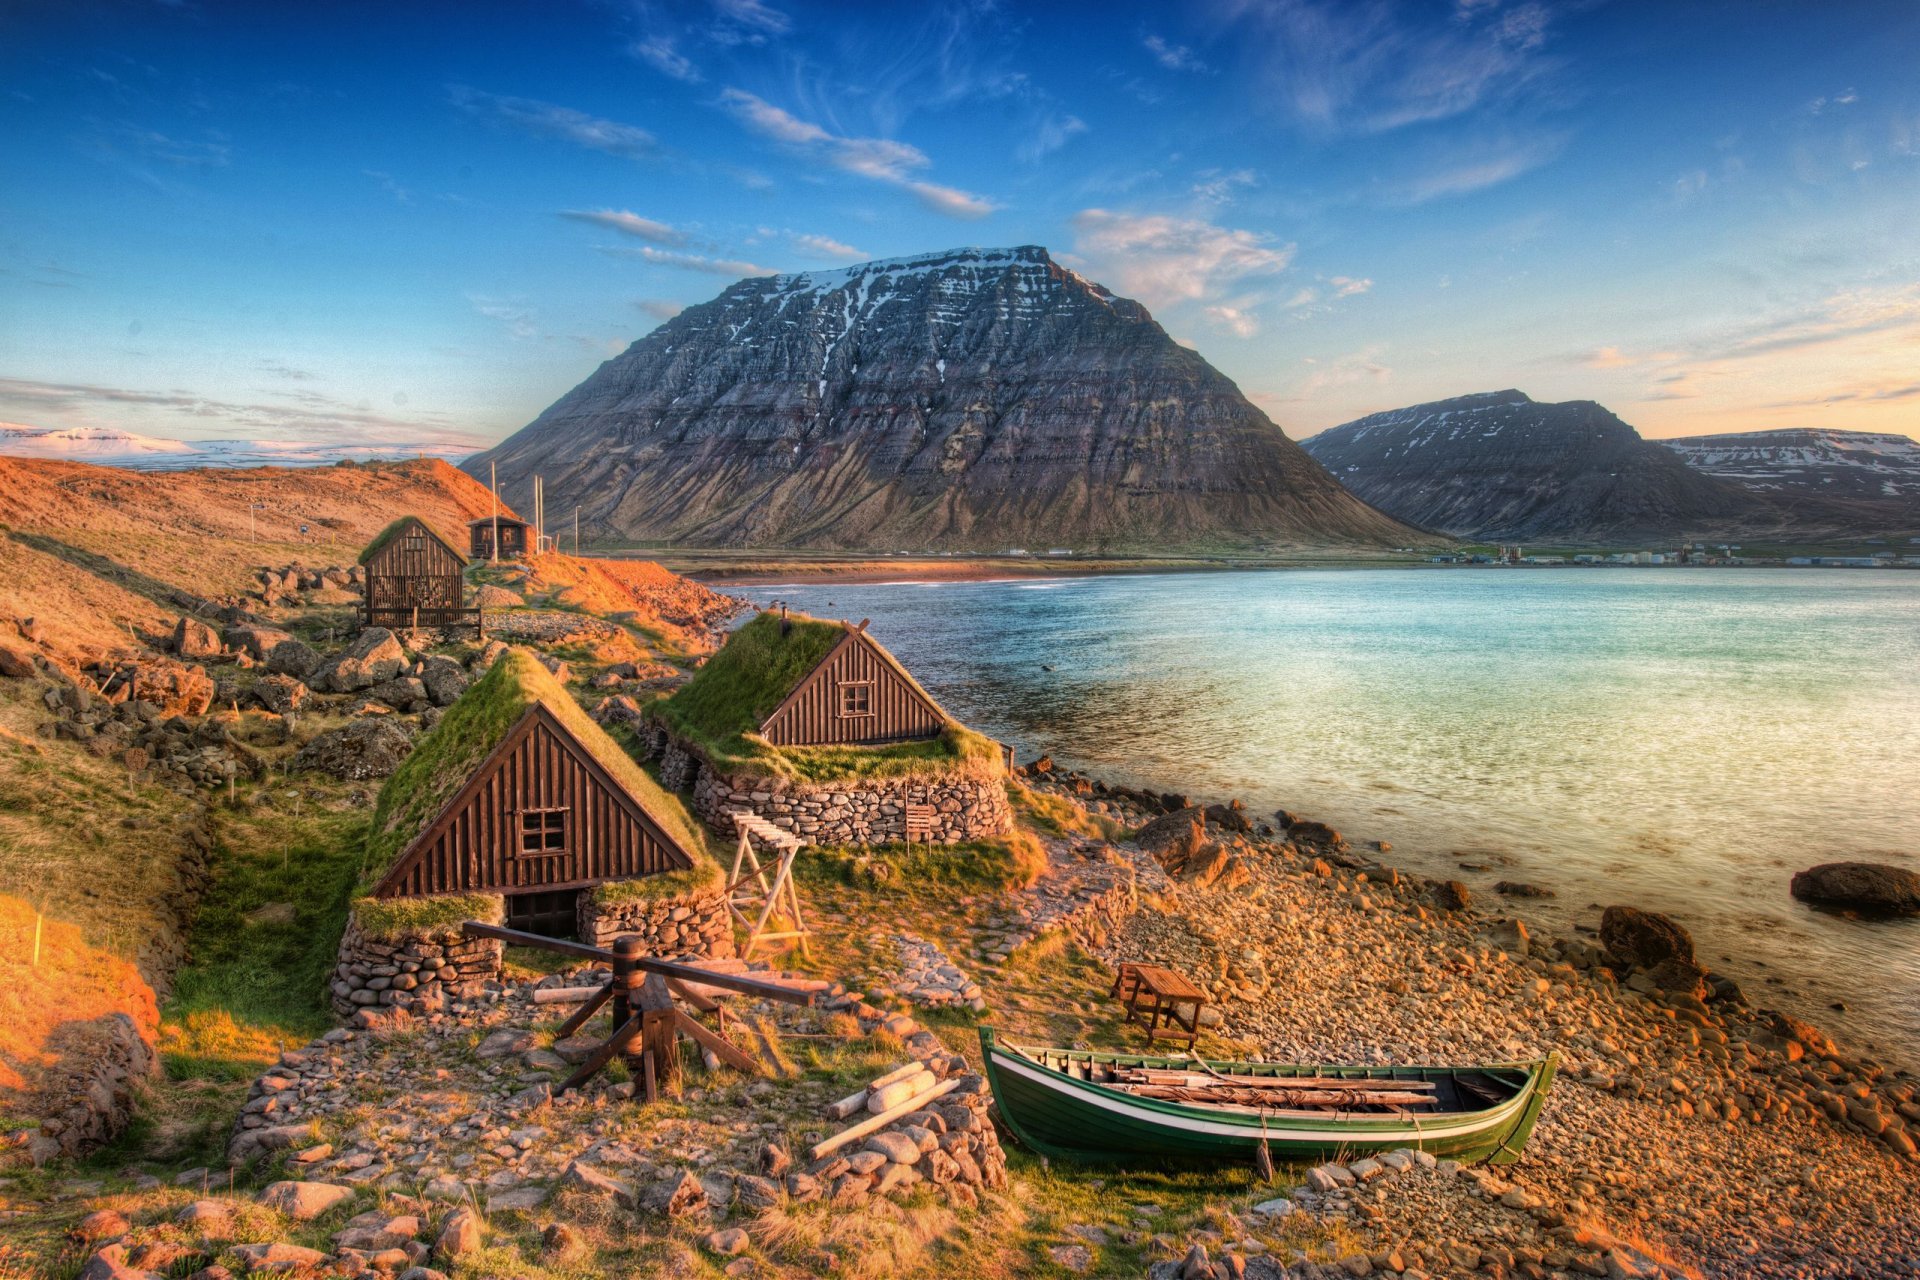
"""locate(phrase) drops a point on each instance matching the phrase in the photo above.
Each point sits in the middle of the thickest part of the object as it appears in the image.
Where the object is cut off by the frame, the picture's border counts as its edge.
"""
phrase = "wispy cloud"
(659, 52)
(880, 159)
(1217, 186)
(1478, 169)
(661, 309)
(1349, 286)
(732, 268)
(310, 416)
(1047, 135)
(824, 247)
(747, 22)
(1163, 260)
(628, 224)
(517, 318)
(564, 124)
(390, 185)
(1366, 365)
(1174, 57)
(1370, 66)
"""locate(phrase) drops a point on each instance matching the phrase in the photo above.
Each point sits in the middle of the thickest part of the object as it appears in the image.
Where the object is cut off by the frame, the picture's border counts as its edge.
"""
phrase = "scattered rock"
(304, 1201)
(367, 748)
(374, 657)
(1642, 939)
(1871, 887)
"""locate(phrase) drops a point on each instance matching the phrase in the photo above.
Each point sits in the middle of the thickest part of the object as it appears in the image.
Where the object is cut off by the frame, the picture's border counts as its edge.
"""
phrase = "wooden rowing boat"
(1117, 1108)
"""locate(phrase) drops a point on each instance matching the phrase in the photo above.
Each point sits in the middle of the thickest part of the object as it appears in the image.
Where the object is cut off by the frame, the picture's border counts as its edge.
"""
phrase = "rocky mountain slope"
(1864, 466)
(972, 399)
(1501, 465)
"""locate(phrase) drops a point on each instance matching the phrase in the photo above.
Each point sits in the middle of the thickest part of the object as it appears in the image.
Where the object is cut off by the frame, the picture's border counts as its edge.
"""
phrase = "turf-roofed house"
(814, 726)
(415, 578)
(517, 808)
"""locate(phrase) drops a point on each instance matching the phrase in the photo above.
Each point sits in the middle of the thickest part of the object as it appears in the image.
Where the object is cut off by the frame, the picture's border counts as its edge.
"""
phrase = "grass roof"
(720, 711)
(392, 531)
(473, 726)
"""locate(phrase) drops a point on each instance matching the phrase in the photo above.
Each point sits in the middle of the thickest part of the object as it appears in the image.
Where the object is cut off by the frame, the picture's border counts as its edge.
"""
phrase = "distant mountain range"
(1865, 466)
(1502, 466)
(108, 447)
(976, 399)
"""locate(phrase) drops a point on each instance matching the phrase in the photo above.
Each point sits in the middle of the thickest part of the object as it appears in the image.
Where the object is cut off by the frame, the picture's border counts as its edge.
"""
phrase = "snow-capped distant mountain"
(107, 447)
(972, 399)
(1874, 466)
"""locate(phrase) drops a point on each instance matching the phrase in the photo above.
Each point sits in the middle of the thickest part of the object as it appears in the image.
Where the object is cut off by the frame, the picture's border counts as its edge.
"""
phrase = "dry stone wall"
(689, 925)
(417, 972)
(858, 812)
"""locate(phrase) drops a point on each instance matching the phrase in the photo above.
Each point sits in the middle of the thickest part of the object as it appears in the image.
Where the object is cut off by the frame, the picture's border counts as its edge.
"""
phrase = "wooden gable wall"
(414, 569)
(812, 715)
(475, 845)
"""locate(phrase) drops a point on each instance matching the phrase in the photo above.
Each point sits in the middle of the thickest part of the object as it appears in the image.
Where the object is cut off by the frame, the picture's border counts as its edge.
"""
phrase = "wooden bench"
(1157, 995)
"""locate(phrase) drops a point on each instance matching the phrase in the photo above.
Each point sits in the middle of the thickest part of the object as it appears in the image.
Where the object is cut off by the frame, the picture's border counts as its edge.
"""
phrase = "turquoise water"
(1682, 740)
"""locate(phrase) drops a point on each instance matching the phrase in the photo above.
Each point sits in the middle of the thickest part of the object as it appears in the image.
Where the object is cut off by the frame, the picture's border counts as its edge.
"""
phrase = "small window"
(414, 542)
(543, 832)
(856, 699)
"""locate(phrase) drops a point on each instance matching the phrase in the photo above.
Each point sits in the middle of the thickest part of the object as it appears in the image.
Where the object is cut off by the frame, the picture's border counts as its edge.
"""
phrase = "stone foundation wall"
(864, 811)
(691, 925)
(417, 972)
(96, 1092)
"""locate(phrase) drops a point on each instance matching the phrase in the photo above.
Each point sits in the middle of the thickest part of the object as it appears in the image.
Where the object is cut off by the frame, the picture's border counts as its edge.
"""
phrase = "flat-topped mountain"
(1503, 465)
(1866, 466)
(976, 399)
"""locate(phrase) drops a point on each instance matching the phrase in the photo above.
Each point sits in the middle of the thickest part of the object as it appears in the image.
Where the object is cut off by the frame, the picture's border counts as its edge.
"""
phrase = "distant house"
(518, 793)
(415, 577)
(511, 530)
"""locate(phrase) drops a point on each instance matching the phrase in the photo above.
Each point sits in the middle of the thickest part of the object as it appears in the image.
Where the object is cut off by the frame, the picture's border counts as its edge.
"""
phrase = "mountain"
(109, 447)
(977, 399)
(1502, 465)
(1854, 466)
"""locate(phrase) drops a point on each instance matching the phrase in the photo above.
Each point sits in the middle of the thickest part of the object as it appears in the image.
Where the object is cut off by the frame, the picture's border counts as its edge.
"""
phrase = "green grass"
(1011, 861)
(1060, 816)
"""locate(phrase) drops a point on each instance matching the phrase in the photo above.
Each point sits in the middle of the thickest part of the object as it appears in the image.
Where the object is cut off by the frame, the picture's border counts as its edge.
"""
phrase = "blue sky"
(380, 223)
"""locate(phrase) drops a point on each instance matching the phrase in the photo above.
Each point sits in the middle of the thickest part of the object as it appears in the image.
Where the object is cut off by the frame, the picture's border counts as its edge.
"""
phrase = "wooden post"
(659, 1035)
(493, 483)
(626, 977)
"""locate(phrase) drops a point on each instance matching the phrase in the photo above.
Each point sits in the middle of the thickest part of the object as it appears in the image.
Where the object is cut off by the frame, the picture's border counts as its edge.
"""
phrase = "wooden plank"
(717, 1045)
(874, 1124)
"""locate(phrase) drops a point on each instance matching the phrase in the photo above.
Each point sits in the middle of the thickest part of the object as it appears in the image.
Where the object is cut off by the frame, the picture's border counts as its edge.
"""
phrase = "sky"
(420, 224)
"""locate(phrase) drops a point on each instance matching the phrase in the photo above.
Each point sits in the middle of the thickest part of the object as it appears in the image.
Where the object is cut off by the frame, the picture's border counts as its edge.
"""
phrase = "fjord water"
(1677, 739)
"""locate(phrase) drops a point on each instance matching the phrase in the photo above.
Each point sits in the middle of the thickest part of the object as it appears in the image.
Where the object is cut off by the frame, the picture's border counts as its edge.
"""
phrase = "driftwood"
(874, 1124)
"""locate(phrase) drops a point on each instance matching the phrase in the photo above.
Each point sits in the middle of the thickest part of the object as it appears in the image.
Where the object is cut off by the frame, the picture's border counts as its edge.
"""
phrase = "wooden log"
(847, 1106)
(565, 995)
(900, 1072)
(873, 1124)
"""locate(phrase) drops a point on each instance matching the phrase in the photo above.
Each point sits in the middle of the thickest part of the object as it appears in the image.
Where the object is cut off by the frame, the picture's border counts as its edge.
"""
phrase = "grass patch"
(388, 919)
(1060, 816)
(1007, 862)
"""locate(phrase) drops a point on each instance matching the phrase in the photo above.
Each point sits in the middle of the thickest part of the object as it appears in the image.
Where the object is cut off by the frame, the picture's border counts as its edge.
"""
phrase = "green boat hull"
(1057, 1115)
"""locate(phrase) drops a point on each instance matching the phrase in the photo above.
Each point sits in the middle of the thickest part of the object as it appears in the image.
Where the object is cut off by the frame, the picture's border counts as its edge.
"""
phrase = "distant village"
(1691, 554)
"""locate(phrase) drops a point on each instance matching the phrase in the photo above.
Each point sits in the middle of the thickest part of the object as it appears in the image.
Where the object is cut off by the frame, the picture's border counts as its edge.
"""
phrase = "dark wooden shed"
(414, 577)
(512, 532)
(857, 695)
(518, 792)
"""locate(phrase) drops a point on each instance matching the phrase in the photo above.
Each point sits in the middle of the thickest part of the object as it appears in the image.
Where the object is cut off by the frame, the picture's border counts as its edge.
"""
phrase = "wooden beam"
(719, 1046)
(584, 1012)
(874, 1124)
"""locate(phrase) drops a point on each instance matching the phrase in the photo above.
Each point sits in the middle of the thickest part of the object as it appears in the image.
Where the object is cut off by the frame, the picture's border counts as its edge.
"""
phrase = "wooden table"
(1158, 994)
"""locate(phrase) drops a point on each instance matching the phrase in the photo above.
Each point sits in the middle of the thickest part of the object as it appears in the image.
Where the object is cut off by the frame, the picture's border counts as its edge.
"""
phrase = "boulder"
(1871, 887)
(15, 662)
(445, 680)
(1173, 838)
(676, 1197)
(461, 1234)
(1229, 817)
(1451, 895)
(304, 1201)
(618, 709)
(193, 638)
(374, 657)
(1643, 939)
(292, 658)
(281, 694)
(254, 640)
(368, 748)
(403, 693)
